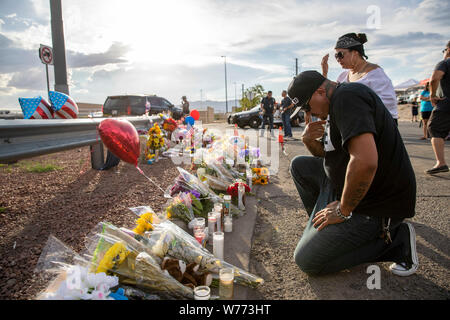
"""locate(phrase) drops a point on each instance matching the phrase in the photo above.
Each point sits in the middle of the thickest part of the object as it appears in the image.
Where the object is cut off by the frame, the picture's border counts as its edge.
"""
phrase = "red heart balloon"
(195, 114)
(121, 138)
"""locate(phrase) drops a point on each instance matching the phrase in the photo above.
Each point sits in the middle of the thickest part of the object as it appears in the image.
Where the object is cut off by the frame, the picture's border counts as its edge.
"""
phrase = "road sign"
(46, 54)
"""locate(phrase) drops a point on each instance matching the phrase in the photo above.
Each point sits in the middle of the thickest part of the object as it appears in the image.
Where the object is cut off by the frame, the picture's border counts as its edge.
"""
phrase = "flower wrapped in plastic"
(180, 206)
(169, 239)
(118, 253)
(169, 124)
(147, 217)
(69, 276)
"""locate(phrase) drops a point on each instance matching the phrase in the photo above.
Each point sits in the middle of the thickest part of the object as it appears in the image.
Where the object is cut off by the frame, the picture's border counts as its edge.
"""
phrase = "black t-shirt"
(268, 104)
(356, 109)
(444, 66)
(286, 102)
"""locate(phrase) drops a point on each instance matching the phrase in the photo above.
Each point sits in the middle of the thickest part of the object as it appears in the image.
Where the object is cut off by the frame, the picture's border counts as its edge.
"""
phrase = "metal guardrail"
(20, 139)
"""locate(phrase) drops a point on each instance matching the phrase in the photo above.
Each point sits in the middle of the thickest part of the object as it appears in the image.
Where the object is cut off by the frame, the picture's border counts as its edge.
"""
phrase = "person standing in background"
(268, 109)
(185, 106)
(425, 109)
(286, 108)
(439, 125)
(351, 56)
(414, 109)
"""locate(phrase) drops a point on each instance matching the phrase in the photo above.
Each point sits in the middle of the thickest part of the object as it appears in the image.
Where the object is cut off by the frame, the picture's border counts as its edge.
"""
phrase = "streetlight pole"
(226, 87)
(235, 99)
(59, 49)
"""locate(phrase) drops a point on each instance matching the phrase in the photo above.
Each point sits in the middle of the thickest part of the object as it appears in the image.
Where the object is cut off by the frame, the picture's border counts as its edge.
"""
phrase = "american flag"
(36, 108)
(64, 106)
(190, 132)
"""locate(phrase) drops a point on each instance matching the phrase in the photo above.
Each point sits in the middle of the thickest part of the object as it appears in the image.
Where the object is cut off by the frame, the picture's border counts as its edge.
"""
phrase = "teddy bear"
(187, 275)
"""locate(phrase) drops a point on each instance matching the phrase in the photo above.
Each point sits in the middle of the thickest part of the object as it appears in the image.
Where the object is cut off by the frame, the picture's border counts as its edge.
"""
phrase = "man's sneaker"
(410, 266)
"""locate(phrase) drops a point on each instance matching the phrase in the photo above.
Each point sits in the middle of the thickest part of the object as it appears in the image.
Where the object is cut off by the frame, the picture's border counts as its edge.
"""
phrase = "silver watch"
(339, 213)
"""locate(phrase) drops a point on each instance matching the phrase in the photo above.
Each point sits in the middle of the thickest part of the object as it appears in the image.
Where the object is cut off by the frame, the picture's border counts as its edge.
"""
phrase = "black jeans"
(267, 116)
(343, 245)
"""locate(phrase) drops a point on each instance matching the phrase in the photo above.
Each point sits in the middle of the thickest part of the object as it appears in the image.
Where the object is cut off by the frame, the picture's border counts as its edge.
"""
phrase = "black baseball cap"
(303, 87)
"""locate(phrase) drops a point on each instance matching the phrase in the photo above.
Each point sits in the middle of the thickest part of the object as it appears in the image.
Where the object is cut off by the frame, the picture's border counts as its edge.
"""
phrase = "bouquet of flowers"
(169, 124)
(180, 207)
(233, 189)
(167, 239)
(118, 253)
(71, 278)
(155, 143)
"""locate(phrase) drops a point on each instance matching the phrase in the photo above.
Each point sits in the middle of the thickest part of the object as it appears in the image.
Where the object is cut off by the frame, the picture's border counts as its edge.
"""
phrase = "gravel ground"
(67, 202)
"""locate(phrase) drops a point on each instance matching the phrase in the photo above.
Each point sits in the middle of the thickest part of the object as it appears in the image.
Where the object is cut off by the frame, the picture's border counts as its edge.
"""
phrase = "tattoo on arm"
(359, 193)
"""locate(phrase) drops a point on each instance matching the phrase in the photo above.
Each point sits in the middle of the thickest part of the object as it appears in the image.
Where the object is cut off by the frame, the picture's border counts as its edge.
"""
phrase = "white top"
(379, 82)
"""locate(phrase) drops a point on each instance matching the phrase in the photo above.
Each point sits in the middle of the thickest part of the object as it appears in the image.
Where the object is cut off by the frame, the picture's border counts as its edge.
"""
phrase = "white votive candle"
(212, 221)
(228, 225)
(218, 242)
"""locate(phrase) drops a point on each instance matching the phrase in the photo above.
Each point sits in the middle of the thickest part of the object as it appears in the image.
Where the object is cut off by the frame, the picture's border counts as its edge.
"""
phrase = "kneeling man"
(359, 186)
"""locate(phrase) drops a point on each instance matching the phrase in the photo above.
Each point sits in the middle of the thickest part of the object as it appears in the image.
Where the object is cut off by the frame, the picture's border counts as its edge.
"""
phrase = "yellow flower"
(113, 257)
(144, 223)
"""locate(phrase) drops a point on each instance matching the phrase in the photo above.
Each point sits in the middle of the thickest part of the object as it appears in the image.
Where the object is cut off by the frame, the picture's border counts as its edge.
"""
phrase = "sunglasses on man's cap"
(305, 107)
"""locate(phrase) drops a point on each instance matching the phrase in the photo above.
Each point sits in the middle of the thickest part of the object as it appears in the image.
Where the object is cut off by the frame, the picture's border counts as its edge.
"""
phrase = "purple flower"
(195, 193)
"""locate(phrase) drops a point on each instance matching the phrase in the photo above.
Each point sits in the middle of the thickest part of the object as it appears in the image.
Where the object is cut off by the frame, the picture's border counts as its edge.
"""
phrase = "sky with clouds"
(174, 48)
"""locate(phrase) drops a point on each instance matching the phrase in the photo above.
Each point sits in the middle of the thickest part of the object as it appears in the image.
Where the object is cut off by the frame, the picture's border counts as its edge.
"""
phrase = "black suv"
(253, 119)
(135, 105)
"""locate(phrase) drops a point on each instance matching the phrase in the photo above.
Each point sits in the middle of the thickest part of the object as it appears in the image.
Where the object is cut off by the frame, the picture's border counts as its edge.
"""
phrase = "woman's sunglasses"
(339, 55)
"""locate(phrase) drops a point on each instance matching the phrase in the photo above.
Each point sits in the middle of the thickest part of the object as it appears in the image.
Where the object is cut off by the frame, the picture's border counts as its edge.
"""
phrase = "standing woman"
(425, 109)
(351, 56)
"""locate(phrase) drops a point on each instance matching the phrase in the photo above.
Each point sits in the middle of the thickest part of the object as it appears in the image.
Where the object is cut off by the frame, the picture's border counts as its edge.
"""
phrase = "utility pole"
(59, 49)
(296, 66)
(242, 91)
(226, 87)
(235, 99)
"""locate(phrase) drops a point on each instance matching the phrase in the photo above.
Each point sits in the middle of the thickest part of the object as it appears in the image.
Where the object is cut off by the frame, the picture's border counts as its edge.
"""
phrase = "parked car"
(253, 119)
(135, 105)
(401, 100)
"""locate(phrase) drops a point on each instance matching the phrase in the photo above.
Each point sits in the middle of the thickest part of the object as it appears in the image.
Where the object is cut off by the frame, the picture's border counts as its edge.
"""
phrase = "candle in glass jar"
(241, 194)
(228, 226)
(226, 276)
(226, 205)
(202, 293)
(199, 223)
(212, 223)
(218, 242)
(219, 220)
(200, 236)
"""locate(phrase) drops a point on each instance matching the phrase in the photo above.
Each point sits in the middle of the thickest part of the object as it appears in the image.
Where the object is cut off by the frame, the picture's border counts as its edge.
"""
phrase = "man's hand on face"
(313, 130)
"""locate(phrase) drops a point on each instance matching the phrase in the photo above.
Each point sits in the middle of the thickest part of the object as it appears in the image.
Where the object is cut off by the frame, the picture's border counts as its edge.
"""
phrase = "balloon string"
(157, 185)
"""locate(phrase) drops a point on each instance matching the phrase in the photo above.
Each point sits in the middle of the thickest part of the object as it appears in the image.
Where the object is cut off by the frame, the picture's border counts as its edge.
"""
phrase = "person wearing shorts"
(425, 109)
(439, 125)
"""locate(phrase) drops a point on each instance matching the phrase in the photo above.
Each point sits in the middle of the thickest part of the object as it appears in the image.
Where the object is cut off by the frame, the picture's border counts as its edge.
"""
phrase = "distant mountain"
(218, 106)
(406, 84)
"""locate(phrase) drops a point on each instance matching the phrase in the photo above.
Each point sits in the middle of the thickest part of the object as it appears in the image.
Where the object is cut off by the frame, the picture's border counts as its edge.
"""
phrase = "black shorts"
(439, 124)
(425, 114)
(415, 111)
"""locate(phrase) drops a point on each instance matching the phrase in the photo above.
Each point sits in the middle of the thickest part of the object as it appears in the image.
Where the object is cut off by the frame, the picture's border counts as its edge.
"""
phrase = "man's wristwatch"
(339, 213)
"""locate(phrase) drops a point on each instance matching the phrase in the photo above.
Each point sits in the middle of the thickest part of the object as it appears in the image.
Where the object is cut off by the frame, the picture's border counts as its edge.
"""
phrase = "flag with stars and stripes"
(36, 108)
(64, 106)
(190, 132)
